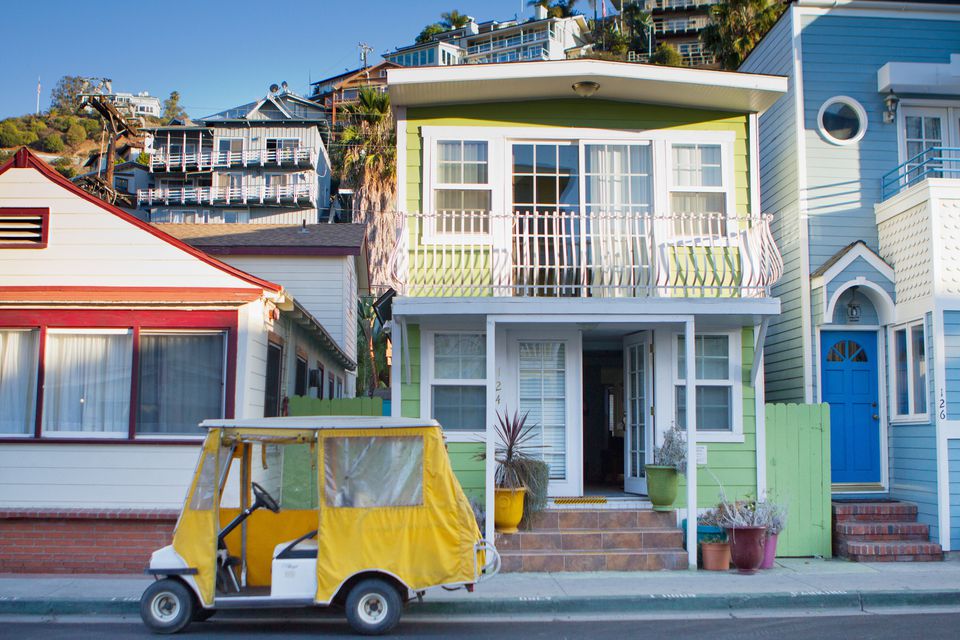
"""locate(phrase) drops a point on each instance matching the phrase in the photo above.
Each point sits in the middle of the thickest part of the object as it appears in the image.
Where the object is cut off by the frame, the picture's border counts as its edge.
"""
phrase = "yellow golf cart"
(286, 512)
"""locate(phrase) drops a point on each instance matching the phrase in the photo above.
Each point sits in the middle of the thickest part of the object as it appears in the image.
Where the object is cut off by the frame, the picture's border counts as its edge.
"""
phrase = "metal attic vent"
(23, 228)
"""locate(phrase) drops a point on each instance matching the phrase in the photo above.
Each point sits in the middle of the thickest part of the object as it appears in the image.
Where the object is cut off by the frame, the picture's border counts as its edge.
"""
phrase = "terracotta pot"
(661, 486)
(769, 551)
(716, 555)
(508, 509)
(746, 547)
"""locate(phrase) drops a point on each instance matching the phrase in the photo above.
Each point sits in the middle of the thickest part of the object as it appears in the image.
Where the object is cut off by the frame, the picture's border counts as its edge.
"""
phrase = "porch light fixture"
(586, 88)
(891, 102)
(853, 307)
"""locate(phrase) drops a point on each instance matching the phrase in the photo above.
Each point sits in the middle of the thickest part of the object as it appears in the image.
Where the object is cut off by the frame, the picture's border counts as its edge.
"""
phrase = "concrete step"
(621, 560)
(591, 540)
(602, 519)
(854, 530)
(874, 512)
(902, 551)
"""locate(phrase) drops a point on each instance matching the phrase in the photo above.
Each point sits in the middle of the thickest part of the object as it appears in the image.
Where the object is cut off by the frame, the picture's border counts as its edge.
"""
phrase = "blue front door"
(848, 381)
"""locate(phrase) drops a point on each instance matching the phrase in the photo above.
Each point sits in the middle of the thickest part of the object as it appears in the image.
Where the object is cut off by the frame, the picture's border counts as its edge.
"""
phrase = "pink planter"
(769, 551)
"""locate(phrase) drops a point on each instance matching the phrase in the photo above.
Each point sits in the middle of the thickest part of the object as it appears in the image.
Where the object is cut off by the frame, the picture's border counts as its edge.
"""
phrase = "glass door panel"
(637, 390)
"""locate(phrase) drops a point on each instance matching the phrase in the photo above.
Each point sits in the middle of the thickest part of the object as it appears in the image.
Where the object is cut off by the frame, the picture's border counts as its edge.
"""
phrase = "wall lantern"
(853, 307)
(891, 102)
(586, 88)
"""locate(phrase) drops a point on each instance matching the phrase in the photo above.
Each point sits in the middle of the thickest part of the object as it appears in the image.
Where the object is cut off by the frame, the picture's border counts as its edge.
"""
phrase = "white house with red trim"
(116, 339)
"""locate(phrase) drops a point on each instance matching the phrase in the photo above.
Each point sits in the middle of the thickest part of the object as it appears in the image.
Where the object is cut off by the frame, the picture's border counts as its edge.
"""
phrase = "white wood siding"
(91, 247)
(80, 476)
(251, 361)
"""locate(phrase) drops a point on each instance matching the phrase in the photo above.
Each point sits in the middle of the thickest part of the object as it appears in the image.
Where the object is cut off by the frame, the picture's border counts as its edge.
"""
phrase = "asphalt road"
(929, 626)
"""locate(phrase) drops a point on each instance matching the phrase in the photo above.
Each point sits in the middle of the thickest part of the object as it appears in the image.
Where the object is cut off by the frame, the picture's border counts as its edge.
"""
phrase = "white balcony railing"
(572, 254)
(273, 195)
(678, 4)
(505, 43)
(298, 156)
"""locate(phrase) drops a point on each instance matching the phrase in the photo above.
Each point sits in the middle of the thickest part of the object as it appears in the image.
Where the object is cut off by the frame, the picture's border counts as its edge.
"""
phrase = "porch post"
(491, 413)
(396, 385)
(689, 337)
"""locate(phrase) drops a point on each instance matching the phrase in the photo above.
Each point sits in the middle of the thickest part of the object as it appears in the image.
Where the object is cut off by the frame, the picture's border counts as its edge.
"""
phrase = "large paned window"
(910, 372)
(545, 178)
(458, 389)
(87, 378)
(462, 197)
(698, 198)
(542, 398)
(715, 383)
(180, 381)
(18, 380)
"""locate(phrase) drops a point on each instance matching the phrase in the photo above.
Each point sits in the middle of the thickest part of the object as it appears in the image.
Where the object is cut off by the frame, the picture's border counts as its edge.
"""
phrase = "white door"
(637, 388)
(924, 129)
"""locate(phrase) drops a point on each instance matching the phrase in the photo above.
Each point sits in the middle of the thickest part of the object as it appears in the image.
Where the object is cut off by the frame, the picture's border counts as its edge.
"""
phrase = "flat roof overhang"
(619, 81)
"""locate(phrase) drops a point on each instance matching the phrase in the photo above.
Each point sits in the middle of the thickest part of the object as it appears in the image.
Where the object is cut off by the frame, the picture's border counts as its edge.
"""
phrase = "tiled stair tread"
(852, 528)
(624, 560)
(591, 552)
(873, 508)
(898, 547)
(553, 532)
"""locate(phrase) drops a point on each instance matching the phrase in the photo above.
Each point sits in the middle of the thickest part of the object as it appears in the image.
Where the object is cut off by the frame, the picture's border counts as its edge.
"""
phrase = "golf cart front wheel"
(166, 606)
(373, 607)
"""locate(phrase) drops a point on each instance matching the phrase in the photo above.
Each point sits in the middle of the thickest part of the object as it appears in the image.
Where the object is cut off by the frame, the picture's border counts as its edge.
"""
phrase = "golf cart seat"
(304, 547)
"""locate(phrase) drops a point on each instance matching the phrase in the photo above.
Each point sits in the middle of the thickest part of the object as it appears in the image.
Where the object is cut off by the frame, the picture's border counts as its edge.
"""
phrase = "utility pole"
(365, 50)
(38, 95)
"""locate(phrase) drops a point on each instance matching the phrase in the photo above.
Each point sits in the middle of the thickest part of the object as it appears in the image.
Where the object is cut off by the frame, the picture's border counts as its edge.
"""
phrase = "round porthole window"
(842, 120)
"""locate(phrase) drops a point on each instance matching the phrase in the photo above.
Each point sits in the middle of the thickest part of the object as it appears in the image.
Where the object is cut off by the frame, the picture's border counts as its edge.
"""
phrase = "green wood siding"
(734, 464)
(468, 469)
(410, 389)
(798, 475)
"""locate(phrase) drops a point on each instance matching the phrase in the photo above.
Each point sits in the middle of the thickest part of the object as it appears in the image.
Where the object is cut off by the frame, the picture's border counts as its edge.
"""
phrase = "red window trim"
(136, 320)
(28, 212)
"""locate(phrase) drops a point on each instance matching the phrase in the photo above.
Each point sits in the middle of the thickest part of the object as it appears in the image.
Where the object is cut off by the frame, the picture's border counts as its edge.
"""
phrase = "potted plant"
(514, 458)
(746, 523)
(715, 553)
(776, 521)
(669, 460)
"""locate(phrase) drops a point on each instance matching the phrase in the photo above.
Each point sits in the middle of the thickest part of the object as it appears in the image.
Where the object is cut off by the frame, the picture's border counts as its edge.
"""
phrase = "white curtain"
(619, 197)
(180, 382)
(18, 380)
(87, 382)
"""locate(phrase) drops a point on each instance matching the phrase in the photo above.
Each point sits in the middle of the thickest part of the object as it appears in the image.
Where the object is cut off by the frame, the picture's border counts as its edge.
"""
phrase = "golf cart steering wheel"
(264, 498)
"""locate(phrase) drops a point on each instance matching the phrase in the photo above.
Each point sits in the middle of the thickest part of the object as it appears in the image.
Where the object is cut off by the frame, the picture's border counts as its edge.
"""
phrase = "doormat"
(579, 500)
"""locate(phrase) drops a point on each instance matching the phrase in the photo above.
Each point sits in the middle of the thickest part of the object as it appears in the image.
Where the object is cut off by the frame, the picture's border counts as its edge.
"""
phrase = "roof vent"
(23, 228)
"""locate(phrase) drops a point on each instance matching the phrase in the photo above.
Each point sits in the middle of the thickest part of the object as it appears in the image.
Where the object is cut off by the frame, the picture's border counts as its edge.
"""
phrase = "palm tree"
(737, 26)
(367, 155)
(639, 24)
(372, 359)
(558, 9)
(454, 19)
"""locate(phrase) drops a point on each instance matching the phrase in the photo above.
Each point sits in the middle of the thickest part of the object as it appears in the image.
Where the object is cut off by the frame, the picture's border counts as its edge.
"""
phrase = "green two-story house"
(573, 233)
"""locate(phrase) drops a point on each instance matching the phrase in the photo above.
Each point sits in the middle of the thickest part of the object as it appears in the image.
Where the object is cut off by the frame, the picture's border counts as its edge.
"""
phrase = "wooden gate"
(798, 475)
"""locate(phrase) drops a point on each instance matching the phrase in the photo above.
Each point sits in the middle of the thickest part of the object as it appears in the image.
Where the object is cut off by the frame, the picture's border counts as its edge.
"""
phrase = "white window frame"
(500, 142)
(429, 381)
(853, 104)
(432, 183)
(734, 381)
(911, 417)
(727, 187)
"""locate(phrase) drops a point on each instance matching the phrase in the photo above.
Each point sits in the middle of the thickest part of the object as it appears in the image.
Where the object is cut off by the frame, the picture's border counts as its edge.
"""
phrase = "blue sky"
(216, 54)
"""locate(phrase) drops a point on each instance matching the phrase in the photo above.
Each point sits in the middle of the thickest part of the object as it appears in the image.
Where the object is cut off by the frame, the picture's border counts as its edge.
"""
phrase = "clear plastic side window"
(206, 489)
(377, 471)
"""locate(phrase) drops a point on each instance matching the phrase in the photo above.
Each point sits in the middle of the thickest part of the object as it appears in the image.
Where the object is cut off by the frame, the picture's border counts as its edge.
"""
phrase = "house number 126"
(942, 406)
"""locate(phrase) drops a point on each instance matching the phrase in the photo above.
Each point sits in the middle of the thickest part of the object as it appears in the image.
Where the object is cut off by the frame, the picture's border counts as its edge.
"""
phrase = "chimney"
(539, 12)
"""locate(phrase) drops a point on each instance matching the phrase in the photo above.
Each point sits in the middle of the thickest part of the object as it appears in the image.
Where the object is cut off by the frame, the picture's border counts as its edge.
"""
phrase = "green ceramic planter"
(661, 486)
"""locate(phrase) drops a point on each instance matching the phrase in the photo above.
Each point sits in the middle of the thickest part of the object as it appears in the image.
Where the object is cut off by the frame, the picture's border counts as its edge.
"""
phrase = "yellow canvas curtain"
(390, 502)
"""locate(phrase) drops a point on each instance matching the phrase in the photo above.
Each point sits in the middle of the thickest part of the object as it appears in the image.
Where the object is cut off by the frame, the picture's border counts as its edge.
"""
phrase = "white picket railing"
(256, 194)
(577, 254)
(298, 156)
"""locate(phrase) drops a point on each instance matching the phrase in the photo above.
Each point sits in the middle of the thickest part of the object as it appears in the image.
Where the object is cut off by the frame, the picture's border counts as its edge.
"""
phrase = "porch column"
(689, 337)
(491, 413)
(396, 384)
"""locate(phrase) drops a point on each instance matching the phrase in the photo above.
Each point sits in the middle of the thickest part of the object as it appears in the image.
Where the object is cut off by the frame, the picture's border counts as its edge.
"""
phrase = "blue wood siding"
(913, 453)
(780, 196)
(860, 268)
(953, 452)
(841, 56)
(868, 313)
(951, 356)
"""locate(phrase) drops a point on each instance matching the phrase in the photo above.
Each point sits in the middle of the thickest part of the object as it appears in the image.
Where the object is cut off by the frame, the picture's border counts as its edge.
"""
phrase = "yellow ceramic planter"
(508, 509)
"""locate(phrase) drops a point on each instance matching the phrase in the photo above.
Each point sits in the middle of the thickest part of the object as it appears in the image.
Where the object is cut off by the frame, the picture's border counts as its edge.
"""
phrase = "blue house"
(860, 165)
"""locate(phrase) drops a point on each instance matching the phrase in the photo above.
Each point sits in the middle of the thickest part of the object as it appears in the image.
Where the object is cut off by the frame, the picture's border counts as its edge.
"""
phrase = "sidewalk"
(794, 584)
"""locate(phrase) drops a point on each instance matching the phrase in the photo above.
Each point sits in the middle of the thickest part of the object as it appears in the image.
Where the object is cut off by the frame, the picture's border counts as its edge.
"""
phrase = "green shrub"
(11, 135)
(65, 167)
(91, 126)
(53, 143)
(76, 134)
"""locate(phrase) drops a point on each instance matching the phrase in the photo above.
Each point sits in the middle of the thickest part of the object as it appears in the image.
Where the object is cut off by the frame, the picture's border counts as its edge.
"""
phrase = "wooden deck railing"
(305, 194)
(577, 254)
(299, 156)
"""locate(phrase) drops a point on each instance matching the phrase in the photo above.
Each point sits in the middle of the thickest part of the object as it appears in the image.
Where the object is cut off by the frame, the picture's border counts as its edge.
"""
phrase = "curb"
(565, 605)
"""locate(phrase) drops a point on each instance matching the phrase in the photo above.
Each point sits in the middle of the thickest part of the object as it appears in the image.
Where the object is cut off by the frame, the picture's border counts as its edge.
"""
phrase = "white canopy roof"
(320, 422)
(550, 80)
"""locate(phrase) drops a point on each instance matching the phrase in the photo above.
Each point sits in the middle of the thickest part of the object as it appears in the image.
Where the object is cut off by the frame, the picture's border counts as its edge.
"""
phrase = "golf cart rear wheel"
(373, 607)
(166, 606)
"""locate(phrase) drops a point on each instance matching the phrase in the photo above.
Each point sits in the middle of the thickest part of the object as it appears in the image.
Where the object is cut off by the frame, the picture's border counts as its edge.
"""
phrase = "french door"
(924, 129)
(638, 392)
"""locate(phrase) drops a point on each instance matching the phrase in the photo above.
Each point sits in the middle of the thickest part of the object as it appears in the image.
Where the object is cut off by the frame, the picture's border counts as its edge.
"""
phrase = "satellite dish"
(283, 85)
(274, 88)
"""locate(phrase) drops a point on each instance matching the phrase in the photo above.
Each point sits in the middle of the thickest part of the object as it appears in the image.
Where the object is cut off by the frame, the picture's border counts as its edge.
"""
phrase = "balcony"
(568, 254)
(671, 5)
(298, 157)
(683, 25)
(499, 44)
(295, 195)
(935, 162)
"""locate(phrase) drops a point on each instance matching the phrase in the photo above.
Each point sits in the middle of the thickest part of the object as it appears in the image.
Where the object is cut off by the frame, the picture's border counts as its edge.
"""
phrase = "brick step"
(853, 530)
(554, 561)
(602, 519)
(902, 551)
(591, 540)
(874, 511)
